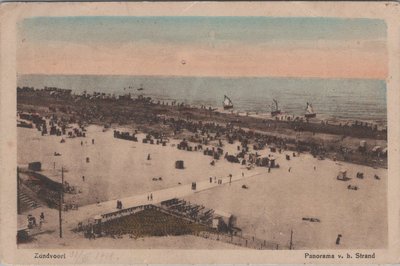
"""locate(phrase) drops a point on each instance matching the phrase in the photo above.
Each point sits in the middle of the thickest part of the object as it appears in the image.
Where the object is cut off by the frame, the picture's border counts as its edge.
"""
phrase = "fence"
(243, 241)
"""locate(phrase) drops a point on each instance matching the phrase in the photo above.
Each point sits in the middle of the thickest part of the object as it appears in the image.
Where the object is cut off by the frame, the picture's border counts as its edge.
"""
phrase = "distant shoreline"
(343, 99)
(337, 141)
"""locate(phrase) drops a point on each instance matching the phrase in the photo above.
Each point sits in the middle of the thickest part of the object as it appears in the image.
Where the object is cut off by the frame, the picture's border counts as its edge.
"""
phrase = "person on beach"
(92, 233)
(92, 141)
(151, 196)
(148, 157)
(81, 143)
(148, 197)
(210, 179)
(315, 168)
(289, 169)
(83, 178)
(338, 239)
(242, 174)
(42, 217)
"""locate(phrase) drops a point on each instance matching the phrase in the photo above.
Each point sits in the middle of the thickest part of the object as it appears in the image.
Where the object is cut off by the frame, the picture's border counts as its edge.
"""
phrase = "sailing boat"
(310, 111)
(275, 109)
(227, 103)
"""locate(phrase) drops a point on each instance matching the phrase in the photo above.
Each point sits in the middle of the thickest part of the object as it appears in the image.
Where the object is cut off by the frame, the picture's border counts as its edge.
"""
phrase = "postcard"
(200, 132)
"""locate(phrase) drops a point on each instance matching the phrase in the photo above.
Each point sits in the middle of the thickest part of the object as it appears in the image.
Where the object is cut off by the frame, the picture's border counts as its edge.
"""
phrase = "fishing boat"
(227, 103)
(275, 109)
(310, 111)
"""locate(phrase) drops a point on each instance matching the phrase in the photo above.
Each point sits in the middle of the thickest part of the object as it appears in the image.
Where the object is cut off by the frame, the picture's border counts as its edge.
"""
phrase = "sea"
(347, 99)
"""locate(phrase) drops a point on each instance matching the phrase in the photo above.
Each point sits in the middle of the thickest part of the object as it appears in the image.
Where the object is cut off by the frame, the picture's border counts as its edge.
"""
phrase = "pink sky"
(324, 59)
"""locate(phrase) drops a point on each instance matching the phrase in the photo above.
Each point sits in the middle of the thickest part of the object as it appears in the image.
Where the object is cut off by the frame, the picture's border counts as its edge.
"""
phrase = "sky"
(204, 46)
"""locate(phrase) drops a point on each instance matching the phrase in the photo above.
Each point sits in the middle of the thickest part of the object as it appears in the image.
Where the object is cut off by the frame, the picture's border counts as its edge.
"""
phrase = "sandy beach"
(272, 206)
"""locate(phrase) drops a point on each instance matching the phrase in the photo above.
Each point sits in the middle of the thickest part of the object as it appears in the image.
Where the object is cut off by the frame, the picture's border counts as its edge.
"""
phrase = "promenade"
(90, 211)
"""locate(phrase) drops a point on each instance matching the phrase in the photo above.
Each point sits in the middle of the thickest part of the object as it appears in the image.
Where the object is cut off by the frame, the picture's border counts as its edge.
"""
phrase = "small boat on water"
(310, 111)
(275, 109)
(227, 103)
(141, 88)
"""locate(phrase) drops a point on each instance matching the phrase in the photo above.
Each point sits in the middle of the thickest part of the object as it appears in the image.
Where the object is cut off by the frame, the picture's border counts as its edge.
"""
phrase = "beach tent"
(272, 161)
(363, 143)
(35, 166)
(342, 175)
(179, 164)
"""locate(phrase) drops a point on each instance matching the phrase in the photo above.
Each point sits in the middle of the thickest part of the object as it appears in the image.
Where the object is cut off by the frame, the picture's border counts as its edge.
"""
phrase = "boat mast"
(276, 104)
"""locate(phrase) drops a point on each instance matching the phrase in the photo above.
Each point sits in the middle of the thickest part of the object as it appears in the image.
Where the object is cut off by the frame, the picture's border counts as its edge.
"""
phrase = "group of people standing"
(150, 197)
(32, 221)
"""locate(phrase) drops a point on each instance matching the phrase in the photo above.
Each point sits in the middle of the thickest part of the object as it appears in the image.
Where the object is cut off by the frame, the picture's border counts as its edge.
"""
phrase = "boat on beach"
(275, 109)
(310, 113)
(227, 103)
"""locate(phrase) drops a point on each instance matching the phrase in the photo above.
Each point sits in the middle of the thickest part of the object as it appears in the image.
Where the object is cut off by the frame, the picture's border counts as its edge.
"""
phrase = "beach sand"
(117, 168)
(274, 204)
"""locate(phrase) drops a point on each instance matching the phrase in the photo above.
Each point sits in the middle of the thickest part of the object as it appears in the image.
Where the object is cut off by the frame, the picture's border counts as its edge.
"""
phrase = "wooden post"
(61, 200)
(291, 239)
(18, 198)
(62, 182)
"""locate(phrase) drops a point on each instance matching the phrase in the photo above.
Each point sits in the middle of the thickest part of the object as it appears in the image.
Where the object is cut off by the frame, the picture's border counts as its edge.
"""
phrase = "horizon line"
(218, 77)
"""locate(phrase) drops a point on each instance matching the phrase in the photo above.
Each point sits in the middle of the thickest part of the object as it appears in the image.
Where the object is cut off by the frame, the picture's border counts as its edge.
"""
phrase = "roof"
(222, 213)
